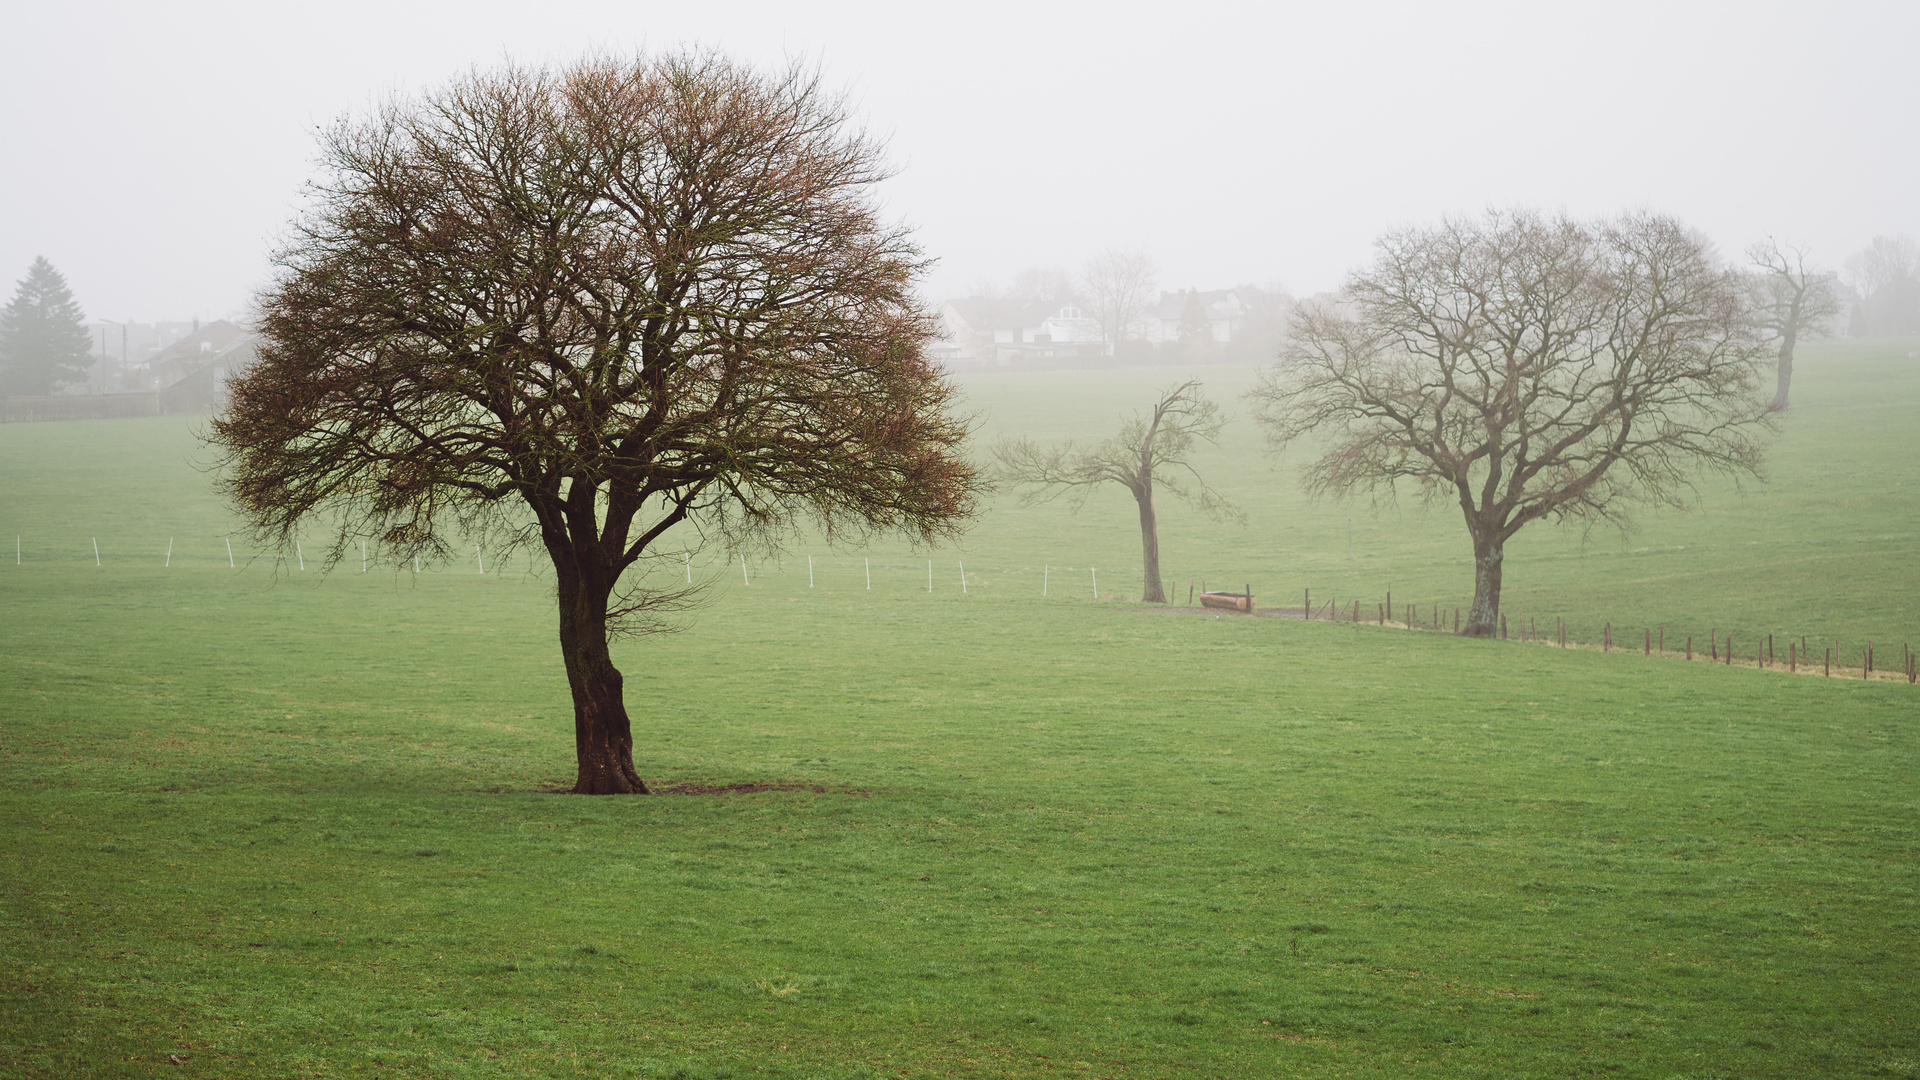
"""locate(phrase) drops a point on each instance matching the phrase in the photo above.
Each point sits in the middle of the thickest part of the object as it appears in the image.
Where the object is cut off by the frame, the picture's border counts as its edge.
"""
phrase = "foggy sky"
(153, 152)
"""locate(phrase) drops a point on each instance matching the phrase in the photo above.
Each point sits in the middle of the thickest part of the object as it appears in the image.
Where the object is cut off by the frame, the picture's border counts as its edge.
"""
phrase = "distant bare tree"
(1118, 286)
(1041, 283)
(1528, 368)
(1886, 261)
(1887, 276)
(595, 311)
(1790, 301)
(1149, 451)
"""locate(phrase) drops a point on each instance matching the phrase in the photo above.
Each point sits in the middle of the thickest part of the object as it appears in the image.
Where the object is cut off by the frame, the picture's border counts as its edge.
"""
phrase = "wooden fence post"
(1826, 666)
(1729, 649)
(1503, 626)
(1769, 650)
(1649, 649)
(1663, 641)
(1606, 639)
(1689, 646)
(1306, 604)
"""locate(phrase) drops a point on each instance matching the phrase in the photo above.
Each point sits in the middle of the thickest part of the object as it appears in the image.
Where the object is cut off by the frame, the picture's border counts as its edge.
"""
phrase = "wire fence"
(1767, 651)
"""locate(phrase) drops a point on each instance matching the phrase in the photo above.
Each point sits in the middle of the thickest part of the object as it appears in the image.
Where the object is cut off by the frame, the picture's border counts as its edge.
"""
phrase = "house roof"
(985, 313)
(1172, 305)
(215, 337)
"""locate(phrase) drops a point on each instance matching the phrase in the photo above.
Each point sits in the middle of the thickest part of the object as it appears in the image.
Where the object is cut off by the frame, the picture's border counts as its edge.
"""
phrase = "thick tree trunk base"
(602, 782)
(609, 773)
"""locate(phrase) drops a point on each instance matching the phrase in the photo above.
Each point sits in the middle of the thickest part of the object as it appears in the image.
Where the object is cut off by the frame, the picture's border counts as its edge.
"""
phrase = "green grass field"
(279, 823)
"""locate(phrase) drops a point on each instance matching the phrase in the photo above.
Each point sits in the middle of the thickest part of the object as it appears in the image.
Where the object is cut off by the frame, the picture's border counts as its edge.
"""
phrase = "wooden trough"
(1229, 601)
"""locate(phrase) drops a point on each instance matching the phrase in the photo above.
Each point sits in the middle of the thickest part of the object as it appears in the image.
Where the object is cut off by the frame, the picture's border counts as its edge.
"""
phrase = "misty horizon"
(164, 151)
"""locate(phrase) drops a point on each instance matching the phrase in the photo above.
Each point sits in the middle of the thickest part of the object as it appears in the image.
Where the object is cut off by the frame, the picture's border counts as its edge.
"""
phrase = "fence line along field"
(286, 823)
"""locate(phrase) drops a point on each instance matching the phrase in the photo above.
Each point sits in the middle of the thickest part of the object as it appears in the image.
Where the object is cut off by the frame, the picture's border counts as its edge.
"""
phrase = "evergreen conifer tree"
(43, 337)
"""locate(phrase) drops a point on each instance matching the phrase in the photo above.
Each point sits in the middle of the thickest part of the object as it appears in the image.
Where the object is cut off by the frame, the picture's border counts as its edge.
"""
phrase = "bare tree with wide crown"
(1525, 368)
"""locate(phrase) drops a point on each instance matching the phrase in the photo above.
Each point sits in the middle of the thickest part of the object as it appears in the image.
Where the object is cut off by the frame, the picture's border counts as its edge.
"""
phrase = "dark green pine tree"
(43, 337)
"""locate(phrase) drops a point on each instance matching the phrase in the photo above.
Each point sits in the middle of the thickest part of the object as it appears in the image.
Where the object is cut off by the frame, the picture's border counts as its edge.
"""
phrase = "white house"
(1005, 333)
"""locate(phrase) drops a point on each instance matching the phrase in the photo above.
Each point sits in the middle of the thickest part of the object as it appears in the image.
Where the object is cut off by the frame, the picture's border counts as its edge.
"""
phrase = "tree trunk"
(1784, 379)
(1483, 619)
(602, 734)
(1149, 546)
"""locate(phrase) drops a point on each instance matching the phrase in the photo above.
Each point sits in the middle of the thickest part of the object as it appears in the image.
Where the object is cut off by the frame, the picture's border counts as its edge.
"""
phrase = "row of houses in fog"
(1190, 325)
(187, 374)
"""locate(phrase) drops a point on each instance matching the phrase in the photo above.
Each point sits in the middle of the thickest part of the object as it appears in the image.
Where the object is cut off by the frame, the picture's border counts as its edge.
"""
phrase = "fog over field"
(155, 151)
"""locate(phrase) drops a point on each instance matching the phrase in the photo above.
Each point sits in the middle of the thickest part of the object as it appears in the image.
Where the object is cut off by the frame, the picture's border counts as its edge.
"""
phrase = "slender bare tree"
(579, 308)
(1790, 301)
(1118, 286)
(1527, 368)
(1151, 451)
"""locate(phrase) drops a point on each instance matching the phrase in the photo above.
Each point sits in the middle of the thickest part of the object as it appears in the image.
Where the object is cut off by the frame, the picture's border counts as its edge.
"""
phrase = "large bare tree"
(597, 309)
(1118, 286)
(1790, 301)
(1527, 368)
(1151, 451)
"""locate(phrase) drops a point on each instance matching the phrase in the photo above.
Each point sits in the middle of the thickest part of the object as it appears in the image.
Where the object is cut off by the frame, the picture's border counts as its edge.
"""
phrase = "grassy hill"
(279, 823)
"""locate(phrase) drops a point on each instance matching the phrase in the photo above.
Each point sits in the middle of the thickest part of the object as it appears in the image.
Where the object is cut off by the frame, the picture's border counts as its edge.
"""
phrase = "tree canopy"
(1526, 368)
(585, 308)
(43, 335)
